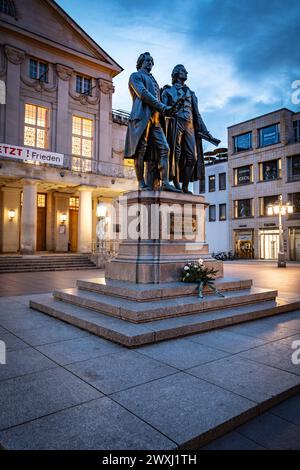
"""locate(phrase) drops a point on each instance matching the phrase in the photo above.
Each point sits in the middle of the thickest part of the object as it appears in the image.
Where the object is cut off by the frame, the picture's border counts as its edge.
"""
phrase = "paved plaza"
(63, 388)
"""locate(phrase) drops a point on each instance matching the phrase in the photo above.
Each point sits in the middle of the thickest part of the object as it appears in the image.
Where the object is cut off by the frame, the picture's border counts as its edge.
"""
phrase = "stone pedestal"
(163, 231)
(142, 299)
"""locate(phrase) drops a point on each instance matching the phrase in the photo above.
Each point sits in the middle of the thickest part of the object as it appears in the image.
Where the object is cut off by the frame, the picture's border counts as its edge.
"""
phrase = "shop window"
(222, 181)
(243, 175)
(242, 142)
(269, 135)
(222, 212)
(296, 126)
(293, 168)
(294, 241)
(211, 183)
(243, 208)
(270, 170)
(212, 213)
(294, 198)
(264, 202)
(244, 244)
(36, 126)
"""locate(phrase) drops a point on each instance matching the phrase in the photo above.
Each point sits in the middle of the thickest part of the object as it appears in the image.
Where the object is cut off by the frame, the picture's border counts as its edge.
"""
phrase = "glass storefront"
(294, 237)
(269, 244)
(244, 244)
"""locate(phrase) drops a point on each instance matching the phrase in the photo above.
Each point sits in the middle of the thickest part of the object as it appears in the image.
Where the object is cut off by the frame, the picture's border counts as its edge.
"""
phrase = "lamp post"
(280, 209)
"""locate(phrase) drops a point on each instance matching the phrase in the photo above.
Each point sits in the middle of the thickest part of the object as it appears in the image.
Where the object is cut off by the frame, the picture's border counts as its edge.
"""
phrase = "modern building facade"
(60, 143)
(216, 194)
(263, 163)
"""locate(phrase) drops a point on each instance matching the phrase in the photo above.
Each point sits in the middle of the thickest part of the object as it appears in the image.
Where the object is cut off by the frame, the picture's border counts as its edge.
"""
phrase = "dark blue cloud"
(257, 39)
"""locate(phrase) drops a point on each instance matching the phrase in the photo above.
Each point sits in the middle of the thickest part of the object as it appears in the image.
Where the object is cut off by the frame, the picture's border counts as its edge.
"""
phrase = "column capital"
(30, 182)
(64, 72)
(86, 188)
(14, 55)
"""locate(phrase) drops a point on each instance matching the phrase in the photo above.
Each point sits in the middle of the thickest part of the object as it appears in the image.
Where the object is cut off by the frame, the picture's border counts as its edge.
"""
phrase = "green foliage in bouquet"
(196, 271)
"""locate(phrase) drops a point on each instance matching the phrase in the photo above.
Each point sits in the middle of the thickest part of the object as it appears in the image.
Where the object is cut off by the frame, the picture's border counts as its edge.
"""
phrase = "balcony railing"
(85, 165)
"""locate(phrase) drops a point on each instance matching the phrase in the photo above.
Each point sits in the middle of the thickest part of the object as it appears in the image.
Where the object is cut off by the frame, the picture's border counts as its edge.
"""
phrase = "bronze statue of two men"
(165, 130)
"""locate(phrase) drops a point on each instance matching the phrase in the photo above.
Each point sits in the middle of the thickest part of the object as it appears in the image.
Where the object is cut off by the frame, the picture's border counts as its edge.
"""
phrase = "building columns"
(85, 221)
(10, 239)
(29, 218)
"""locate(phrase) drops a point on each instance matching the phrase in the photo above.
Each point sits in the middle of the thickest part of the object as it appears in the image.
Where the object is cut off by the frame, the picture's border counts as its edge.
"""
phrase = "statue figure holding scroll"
(185, 131)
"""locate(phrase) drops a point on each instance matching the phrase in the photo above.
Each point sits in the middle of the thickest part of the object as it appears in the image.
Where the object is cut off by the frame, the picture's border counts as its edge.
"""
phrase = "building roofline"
(81, 31)
(261, 116)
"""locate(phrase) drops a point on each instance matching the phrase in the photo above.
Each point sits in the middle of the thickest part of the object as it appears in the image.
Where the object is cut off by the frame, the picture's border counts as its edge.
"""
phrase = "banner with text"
(30, 154)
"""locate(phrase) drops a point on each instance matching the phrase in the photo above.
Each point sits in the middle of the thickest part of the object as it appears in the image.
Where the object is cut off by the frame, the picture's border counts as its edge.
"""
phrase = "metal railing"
(87, 165)
(84, 165)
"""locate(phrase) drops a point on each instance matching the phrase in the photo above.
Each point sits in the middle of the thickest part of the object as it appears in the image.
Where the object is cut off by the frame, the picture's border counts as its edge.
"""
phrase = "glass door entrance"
(269, 244)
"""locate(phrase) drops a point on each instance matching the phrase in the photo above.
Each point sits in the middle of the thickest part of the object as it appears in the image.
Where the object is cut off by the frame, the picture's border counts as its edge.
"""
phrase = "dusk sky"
(242, 56)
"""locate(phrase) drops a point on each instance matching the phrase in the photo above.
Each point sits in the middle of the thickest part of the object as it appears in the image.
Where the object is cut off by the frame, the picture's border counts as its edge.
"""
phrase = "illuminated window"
(211, 183)
(74, 203)
(243, 208)
(36, 126)
(83, 85)
(243, 175)
(41, 200)
(38, 70)
(82, 137)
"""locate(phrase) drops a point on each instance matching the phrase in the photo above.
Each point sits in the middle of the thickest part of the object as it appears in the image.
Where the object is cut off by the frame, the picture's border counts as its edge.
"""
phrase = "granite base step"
(155, 292)
(140, 312)
(136, 334)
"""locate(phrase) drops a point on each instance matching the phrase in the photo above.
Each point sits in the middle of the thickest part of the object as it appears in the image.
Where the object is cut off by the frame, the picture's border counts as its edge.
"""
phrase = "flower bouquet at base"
(196, 271)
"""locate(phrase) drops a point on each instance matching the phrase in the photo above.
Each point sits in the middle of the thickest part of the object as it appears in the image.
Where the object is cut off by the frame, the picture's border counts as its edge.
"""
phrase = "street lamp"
(280, 209)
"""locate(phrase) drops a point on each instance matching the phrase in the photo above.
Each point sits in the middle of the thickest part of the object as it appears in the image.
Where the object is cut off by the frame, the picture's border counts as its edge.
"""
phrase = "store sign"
(31, 155)
(244, 175)
(247, 236)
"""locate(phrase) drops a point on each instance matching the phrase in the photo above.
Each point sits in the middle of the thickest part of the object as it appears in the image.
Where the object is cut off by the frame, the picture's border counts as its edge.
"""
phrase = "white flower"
(187, 274)
(201, 262)
(186, 268)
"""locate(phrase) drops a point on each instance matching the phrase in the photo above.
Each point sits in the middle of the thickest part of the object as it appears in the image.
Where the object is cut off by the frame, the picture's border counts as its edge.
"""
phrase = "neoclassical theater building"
(60, 142)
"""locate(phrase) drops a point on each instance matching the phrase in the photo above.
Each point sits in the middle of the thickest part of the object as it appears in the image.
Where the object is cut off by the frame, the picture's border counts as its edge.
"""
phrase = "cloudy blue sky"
(242, 55)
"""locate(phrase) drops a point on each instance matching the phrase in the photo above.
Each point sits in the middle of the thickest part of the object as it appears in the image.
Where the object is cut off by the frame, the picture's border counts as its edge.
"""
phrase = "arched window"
(8, 7)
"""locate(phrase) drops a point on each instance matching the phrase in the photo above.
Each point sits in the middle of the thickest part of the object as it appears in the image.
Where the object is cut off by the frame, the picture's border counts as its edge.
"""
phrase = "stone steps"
(138, 312)
(44, 263)
(154, 292)
(136, 334)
